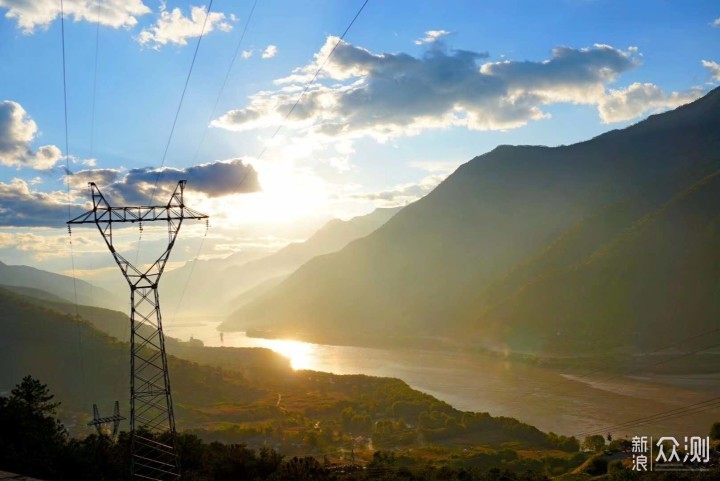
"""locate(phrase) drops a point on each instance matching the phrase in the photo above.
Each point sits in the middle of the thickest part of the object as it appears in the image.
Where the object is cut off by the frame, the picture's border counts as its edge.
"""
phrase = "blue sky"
(417, 88)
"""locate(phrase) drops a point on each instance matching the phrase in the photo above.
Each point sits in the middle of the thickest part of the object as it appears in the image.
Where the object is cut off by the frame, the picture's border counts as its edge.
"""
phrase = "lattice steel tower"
(151, 409)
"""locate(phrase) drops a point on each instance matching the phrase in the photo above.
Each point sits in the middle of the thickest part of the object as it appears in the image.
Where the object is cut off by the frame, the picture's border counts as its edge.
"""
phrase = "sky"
(415, 89)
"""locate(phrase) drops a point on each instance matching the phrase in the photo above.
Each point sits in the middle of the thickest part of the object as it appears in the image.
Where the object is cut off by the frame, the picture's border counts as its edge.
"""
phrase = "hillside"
(57, 285)
(227, 279)
(254, 403)
(650, 284)
(445, 265)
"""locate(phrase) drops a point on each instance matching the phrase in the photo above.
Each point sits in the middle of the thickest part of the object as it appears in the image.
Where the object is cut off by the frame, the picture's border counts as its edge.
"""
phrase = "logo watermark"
(668, 454)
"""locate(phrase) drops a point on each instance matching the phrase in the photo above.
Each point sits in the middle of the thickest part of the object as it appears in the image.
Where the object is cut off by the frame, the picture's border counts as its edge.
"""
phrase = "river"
(548, 399)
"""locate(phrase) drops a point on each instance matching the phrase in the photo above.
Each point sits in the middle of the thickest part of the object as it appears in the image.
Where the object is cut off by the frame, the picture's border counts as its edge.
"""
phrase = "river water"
(547, 399)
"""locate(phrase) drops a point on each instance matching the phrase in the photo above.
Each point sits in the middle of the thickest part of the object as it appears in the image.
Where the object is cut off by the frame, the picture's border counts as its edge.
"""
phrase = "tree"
(594, 443)
(34, 395)
(32, 440)
(715, 431)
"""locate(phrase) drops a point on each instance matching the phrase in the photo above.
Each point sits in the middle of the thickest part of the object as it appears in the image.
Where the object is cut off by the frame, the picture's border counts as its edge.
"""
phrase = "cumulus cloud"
(20, 206)
(431, 36)
(270, 51)
(361, 93)
(716, 23)
(17, 132)
(402, 194)
(174, 27)
(136, 186)
(31, 14)
(42, 245)
(246, 54)
(714, 68)
(641, 98)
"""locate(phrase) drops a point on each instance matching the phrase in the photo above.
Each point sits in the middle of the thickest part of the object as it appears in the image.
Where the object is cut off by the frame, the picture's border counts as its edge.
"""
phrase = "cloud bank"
(382, 95)
(136, 186)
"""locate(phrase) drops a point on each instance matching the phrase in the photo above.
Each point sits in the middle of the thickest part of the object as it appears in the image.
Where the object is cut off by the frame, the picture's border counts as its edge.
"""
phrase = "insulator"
(69, 230)
(141, 227)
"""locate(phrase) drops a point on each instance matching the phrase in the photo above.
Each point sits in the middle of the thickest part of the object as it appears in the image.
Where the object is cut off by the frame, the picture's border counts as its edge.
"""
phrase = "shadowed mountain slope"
(446, 264)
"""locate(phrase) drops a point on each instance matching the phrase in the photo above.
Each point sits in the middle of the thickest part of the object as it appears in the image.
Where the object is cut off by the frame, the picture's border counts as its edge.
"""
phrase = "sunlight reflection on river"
(550, 400)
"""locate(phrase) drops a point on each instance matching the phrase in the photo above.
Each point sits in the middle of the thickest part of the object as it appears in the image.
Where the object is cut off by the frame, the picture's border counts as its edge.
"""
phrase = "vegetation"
(260, 402)
(34, 442)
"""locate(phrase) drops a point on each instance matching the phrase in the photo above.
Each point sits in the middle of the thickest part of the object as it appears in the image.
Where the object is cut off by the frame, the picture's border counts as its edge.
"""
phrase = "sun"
(288, 194)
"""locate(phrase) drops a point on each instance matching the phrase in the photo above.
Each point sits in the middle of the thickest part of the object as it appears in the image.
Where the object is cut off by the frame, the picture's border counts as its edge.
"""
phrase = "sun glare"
(299, 353)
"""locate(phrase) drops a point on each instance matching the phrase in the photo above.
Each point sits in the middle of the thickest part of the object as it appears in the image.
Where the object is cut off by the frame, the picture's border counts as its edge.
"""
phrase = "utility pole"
(152, 421)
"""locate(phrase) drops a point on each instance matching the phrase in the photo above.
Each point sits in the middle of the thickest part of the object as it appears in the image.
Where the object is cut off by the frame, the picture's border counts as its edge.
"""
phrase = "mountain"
(520, 247)
(20, 278)
(223, 280)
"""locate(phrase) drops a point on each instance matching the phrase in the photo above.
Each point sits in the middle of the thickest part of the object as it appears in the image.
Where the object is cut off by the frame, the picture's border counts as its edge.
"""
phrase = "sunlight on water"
(301, 354)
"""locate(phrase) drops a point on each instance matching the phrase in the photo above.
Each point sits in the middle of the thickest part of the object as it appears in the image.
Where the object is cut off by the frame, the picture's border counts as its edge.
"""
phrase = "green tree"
(594, 443)
(715, 431)
(32, 441)
(34, 395)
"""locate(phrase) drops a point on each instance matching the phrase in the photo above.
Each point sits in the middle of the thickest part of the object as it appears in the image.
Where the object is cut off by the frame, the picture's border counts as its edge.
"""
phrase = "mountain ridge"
(495, 212)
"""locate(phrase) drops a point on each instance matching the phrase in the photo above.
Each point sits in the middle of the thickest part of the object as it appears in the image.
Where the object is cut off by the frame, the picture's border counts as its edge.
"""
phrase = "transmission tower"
(154, 457)
(99, 422)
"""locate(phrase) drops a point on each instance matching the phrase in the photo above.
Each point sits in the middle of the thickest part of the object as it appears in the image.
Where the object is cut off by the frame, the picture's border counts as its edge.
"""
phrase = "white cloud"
(17, 132)
(246, 54)
(714, 68)
(402, 194)
(716, 23)
(431, 36)
(174, 27)
(31, 14)
(270, 51)
(639, 99)
(360, 93)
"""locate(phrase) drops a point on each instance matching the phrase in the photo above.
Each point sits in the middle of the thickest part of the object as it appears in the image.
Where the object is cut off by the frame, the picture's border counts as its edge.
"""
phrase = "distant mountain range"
(610, 243)
(32, 281)
(227, 281)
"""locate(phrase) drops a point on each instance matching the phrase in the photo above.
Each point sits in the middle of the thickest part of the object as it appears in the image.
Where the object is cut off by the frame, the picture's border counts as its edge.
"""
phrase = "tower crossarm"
(137, 214)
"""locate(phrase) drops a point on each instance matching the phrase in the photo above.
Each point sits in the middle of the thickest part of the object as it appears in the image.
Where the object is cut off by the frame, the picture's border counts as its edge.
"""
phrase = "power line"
(182, 97)
(177, 115)
(317, 72)
(69, 197)
(287, 116)
(224, 83)
(202, 140)
(665, 415)
(94, 90)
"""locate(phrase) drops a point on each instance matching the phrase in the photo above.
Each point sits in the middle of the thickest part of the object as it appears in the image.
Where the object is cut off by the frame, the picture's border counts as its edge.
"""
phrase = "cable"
(287, 116)
(177, 115)
(670, 414)
(202, 140)
(69, 198)
(182, 98)
(224, 83)
(94, 91)
(317, 72)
